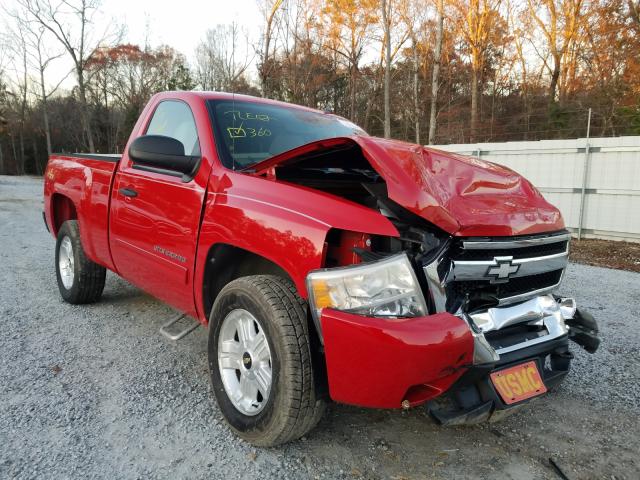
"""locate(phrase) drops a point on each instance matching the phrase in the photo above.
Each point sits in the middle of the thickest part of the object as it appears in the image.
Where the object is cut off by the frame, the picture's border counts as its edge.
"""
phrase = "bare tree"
(271, 9)
(347, 25)
(222, 57)
(70, 22)
(386, 25)
(478, 24)
(518, 43)
(435, 74)
(413, 14)
(559, 22)
(43, 60)
(15, 39)
(3, 102)
(394, 37)
(39, 57)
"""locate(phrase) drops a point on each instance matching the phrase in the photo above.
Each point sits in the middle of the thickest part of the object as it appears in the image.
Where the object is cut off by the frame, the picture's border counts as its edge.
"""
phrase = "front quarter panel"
(285, 224)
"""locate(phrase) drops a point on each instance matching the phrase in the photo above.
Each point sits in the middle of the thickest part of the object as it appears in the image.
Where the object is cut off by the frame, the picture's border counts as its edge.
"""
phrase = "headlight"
(387, 288)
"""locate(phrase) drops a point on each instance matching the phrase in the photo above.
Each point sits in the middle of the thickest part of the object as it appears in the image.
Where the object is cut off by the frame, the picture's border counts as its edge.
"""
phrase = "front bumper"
(474, 399)
(379, 363)
(382, 363)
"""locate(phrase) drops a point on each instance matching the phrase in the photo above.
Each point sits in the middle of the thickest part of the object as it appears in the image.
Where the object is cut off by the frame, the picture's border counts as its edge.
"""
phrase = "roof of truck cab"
(232, 96)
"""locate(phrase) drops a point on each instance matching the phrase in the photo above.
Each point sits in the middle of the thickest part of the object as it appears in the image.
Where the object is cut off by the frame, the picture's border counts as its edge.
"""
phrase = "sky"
(181, 24)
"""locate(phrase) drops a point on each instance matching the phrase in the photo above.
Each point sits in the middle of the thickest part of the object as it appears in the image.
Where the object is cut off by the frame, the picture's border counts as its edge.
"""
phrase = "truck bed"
(106, 157)
(78, 186)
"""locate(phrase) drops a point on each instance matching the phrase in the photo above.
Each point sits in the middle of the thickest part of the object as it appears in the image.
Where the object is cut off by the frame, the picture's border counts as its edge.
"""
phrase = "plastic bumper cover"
(381, 363)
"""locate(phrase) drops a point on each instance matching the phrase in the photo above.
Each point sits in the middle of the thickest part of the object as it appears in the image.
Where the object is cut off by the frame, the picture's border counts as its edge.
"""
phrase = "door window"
(174, 119)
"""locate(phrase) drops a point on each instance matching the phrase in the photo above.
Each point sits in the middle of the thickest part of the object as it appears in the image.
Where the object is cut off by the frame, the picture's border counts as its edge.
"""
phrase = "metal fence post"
(585, 173)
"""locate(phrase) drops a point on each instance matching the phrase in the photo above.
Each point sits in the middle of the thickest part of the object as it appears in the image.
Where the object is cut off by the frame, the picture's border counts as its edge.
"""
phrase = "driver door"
(155, 215)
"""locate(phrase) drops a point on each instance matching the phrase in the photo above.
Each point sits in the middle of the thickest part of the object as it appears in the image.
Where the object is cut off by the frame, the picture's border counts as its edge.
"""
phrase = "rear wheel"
(79, 279)
(260, 361)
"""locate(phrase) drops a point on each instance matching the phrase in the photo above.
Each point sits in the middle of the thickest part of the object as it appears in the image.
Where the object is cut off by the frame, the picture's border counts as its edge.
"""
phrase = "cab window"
(174, 119)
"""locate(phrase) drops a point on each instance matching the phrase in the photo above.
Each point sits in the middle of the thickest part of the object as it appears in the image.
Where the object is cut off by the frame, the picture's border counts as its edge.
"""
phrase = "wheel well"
(62, 209)
(226, 263)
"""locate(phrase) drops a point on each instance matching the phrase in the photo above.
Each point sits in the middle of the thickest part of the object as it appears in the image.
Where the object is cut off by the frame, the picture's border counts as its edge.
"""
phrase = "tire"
(79, 279)
(291, 406)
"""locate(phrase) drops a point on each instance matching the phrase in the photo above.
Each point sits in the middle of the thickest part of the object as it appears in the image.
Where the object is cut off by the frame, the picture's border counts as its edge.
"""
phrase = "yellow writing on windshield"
(243, 132)
(239, 115)
(236, 132)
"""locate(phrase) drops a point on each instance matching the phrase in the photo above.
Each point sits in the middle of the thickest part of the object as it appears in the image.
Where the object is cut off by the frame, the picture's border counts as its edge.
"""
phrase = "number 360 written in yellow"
(242, 132)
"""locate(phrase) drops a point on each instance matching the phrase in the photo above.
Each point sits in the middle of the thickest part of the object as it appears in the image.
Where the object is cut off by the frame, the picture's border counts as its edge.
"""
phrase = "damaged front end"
(439, 312)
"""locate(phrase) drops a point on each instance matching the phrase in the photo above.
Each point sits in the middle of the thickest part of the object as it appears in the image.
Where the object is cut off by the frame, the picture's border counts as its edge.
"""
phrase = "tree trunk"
(15, 153)
(352, 93)
(20, 163)
(437, 54)
(416, 100)
(36, 160)
(494, 92)
(45, 113)
(264, 73)
(553, 84)
(84, 111)
(474, 105)
(387, 69)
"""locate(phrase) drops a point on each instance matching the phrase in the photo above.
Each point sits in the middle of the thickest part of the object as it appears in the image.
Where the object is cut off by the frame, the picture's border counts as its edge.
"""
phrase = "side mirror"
(164, 154)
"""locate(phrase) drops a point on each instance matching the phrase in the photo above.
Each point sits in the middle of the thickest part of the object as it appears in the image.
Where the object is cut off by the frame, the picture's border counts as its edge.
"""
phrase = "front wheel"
(260, 361)
(79, 279)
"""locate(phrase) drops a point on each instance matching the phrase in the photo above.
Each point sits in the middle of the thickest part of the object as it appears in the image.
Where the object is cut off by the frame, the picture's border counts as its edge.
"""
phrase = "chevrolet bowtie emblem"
(502, 269)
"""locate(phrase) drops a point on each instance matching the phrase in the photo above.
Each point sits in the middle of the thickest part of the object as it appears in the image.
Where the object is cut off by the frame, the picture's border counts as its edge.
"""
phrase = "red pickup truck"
(328, 264)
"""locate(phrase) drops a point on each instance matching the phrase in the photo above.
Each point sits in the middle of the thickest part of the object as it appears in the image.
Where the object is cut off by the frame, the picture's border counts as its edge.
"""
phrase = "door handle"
(128, 192)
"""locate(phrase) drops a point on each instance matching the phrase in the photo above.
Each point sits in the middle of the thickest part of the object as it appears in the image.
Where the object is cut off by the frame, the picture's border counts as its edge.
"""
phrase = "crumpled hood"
(462, 195)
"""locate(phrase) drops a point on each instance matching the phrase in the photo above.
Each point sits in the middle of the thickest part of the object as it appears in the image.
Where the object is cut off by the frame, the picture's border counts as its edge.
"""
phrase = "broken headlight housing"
(386, 288)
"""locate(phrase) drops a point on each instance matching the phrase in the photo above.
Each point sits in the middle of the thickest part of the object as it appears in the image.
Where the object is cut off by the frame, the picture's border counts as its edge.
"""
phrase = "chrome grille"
(494, 249)
(509, 269)
(516, 286)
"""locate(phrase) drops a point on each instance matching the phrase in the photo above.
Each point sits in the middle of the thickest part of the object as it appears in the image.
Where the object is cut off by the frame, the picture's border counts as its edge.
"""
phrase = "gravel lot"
(96, 392)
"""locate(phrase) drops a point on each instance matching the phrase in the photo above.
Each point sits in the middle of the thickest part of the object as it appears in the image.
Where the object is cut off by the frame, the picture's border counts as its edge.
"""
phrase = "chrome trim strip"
(555, 326)
(479, 269)
(526, 242)
(436, 286)
(527, 295)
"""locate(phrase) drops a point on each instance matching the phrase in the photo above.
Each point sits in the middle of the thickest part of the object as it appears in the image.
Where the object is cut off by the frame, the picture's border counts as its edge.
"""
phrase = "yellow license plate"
(518, 383)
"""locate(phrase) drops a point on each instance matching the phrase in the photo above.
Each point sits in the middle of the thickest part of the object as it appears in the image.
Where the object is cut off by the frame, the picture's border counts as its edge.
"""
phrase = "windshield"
(247, 133)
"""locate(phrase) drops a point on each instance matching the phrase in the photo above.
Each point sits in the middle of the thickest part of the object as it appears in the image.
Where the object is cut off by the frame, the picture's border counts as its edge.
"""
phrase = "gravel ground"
(605, 253)
(96, 392)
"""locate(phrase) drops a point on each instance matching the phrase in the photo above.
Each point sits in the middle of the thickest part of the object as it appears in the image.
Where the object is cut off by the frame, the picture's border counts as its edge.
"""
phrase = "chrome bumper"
(543, 311)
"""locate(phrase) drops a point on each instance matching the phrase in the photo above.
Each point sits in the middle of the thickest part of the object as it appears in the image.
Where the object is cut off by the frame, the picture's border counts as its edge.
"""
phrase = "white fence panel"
(611, 203)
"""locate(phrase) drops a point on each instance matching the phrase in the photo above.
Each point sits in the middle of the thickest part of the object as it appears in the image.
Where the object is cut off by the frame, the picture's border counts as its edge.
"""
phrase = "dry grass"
(606, 253)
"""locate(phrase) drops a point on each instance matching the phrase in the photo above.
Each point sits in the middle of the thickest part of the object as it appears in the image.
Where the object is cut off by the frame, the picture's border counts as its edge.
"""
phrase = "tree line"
(425, 71)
